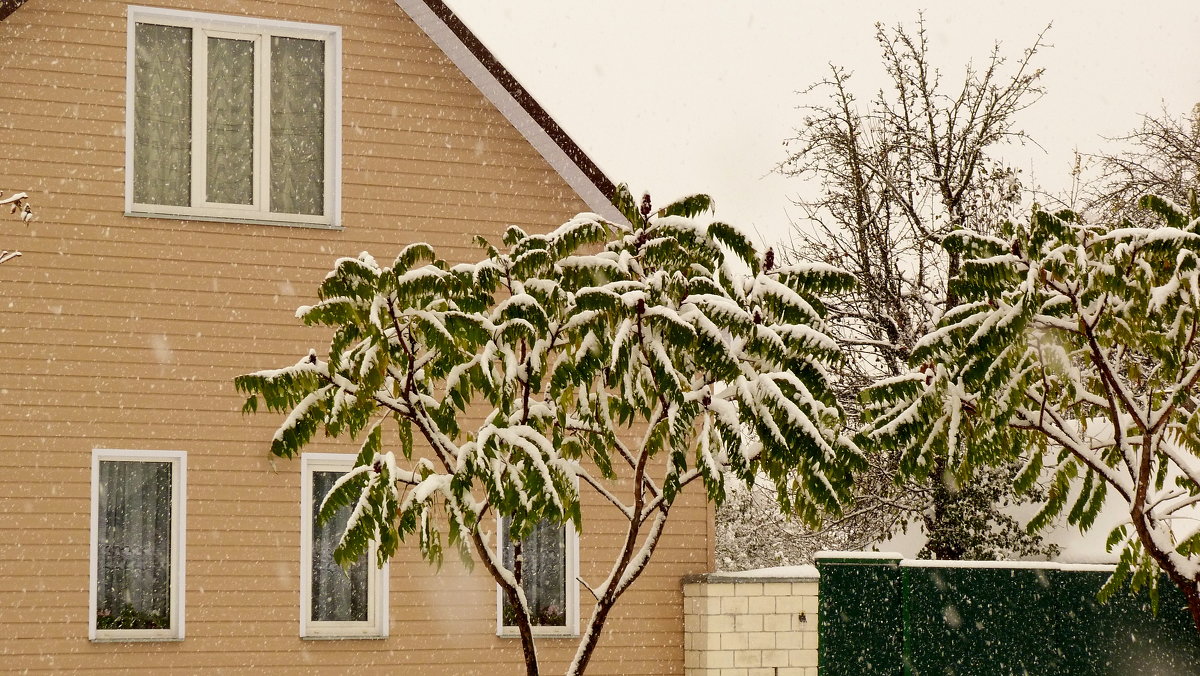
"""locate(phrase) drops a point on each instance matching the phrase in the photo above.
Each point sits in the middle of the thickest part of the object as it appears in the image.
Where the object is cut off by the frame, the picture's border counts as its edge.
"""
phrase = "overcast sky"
(675, 97)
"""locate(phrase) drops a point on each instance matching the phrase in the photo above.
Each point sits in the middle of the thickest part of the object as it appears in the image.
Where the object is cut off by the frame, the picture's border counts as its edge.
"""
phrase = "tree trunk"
(1189, 587)
(944, 488)
(951, 272)
(1191, 591)
(943, 493)
(1140, 518)
(587, 645)
(528, 647)
(523, 624)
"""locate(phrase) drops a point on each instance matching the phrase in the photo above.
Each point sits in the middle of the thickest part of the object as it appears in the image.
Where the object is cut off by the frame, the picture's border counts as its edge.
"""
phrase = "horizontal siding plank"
(97, 294)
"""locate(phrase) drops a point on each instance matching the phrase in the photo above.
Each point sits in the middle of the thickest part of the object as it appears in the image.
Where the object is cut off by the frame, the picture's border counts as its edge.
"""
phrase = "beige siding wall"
(750, 626)
(121, 332)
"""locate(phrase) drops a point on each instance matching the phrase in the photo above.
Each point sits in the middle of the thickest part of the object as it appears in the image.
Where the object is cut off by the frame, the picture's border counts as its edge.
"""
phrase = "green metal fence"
(887, 616)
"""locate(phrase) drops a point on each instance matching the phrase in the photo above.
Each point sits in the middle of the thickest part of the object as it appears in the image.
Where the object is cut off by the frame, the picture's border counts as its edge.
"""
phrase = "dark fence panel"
(860, 620)
(994, 620)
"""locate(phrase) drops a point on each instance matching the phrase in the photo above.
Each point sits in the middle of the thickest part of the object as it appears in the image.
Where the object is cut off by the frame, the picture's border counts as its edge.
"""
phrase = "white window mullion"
(376, 623)
(109, 522)
(262, 124)
(570, 566)
(179, 544)
(245, 194)
(333, 117)
(306, 545)
(199, 116)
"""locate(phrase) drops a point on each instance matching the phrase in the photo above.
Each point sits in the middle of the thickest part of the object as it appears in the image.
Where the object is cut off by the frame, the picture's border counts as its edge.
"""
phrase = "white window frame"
(376, 624)
(178, 459)
(260, 31)
(571, 579)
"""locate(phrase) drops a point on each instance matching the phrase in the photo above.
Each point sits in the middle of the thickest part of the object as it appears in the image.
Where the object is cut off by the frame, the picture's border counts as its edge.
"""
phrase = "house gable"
(515, 102)
(505, 92)
(126, 333)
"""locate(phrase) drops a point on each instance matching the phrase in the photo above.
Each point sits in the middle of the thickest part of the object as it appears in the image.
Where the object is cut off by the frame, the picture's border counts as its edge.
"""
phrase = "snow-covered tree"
(18, 203)
(1074, 347)
(628, 360)
(890, 176)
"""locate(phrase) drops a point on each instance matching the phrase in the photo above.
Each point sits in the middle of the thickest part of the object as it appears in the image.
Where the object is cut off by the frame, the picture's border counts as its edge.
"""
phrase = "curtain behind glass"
(337, 594)
(230, 173)
(543, 574)
(162, 131)
(134, 546)
(297, 126)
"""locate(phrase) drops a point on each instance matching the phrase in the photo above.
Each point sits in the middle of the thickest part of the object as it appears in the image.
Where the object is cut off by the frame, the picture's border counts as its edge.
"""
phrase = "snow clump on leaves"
(600, 356)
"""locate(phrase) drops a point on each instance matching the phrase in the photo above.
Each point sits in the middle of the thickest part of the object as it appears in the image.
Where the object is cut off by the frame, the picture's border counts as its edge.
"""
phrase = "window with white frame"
(548, 571)
(335, 602)
(137, 553)
(232, 118)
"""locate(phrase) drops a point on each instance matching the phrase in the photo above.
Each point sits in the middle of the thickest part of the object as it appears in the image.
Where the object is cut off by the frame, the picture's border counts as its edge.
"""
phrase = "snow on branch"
(18, 203)
(1083, 339)
(627, 360)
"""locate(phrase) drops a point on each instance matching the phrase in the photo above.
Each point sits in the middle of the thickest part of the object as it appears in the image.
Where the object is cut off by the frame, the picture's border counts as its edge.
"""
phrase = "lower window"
(548, 571)
(136, 590)
(335, 602)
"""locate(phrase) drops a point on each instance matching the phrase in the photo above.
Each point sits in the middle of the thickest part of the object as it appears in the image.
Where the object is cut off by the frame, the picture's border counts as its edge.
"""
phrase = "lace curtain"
(230, 157)
(162, 132)
(297, 126)
(337, 594)
(163, 126)
(134, 545)
(543, 574)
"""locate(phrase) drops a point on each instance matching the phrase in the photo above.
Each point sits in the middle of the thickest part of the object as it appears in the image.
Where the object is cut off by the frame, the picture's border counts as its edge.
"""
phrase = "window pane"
(297, 126)
(543, 574)
(337, 594)
(230, 121)
(134, 546)
(162, 130)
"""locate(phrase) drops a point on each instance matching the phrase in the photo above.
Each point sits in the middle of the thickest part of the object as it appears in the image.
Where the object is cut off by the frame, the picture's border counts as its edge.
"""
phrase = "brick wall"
(757, 623)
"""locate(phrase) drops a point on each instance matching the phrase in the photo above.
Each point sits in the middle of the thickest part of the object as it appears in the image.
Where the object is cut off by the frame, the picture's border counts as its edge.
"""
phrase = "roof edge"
(8, 7)
(515, 102)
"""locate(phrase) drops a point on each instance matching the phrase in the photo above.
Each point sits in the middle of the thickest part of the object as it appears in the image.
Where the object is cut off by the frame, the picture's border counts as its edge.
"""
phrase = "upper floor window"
(232, 118)
(335, 602)
(136, 590)
(546, 562)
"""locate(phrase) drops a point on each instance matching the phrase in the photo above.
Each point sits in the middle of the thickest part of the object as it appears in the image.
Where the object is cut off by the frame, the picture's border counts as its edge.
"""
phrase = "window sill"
(373, 637)
(513, 632)
(225, 219)
(131, 639)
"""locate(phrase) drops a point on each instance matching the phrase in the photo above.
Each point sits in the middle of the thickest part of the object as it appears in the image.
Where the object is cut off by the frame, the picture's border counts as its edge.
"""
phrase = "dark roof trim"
(523, 97)
(8, 7)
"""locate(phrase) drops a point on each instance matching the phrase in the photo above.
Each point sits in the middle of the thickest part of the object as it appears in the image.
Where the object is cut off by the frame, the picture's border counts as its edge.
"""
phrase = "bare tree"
(1161, 157)
(899, 176)
(894, 177)
(752, 532)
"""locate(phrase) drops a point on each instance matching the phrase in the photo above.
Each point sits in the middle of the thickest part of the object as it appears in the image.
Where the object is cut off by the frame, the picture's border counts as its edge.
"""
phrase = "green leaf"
(688, 207)
(506, 375)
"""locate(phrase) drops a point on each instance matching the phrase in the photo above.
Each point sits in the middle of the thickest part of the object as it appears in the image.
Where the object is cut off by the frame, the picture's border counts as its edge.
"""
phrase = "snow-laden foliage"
(631, 360)
(1074, 348)
(17, 203)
